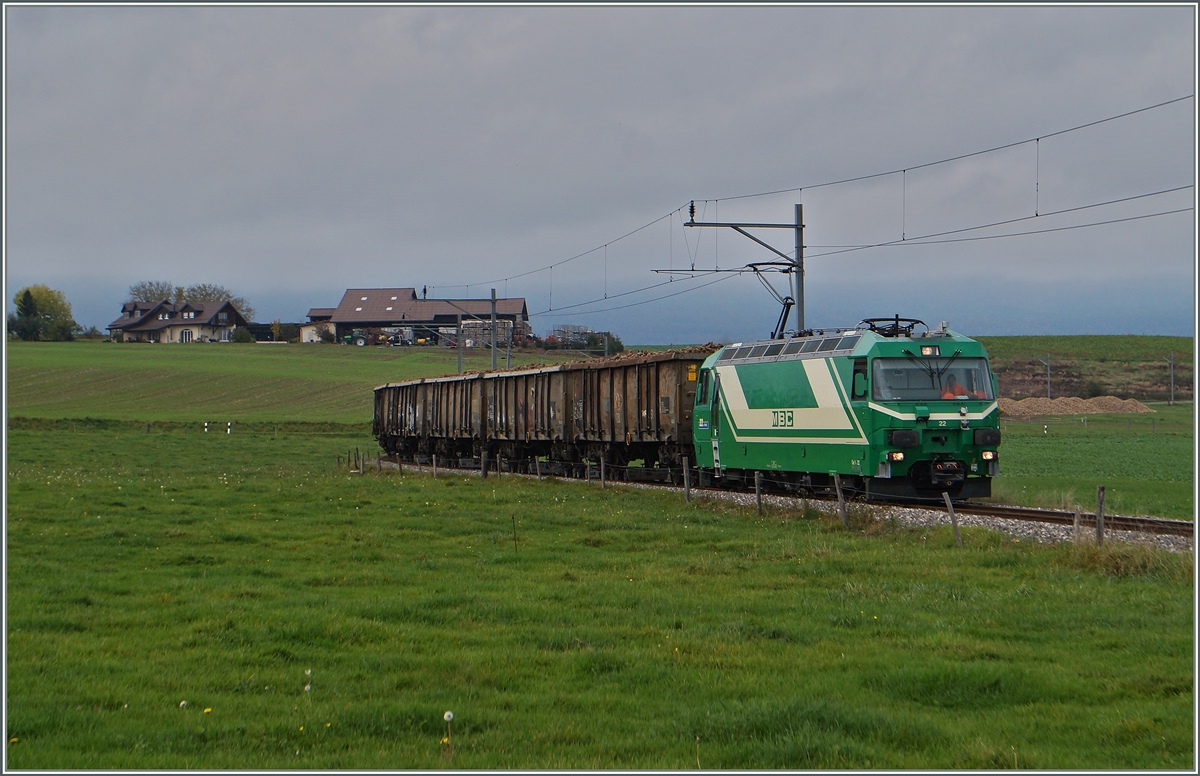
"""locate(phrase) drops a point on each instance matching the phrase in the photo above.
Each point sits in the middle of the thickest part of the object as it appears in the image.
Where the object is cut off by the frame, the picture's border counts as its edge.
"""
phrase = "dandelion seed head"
(449, 715)
(183, 704)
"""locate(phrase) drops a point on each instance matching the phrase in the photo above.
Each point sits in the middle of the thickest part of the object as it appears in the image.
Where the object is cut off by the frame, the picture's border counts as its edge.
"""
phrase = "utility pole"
(458, 342)
(798, 271)
(493, 329)
(1047, 363)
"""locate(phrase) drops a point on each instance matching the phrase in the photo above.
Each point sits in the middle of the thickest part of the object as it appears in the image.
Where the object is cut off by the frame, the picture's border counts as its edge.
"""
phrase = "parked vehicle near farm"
(891, 412)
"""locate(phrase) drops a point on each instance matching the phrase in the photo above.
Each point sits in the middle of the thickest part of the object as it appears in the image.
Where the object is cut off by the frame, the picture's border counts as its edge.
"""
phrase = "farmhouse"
(430, 319)
(176, 322)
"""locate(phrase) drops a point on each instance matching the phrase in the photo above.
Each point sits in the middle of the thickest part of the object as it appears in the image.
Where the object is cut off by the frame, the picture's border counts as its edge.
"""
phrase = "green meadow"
(218, 382)
(181, 599)
(1144, 461)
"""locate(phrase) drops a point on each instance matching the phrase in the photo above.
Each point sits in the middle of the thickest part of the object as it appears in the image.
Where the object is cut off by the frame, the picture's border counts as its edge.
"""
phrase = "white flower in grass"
(449, 715)
(183, 704)
(308, 687)
(308, 672)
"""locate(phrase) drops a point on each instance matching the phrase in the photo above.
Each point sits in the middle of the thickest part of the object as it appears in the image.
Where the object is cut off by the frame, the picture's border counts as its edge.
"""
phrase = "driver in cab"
(952, 390)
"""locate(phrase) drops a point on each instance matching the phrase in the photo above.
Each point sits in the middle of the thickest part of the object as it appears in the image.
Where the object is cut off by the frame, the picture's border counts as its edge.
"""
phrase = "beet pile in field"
(1070, 405)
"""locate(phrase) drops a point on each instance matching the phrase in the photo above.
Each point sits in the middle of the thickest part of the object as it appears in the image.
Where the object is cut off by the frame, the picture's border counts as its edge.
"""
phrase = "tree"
(43, 313)
(243, 335)
(153, 291)
(158, 290)
(25, 323)
(206, 292)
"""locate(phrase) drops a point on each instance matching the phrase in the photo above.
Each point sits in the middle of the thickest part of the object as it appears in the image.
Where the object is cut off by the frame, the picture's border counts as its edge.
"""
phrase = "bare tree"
(151, 291)
(208, 292)
(158, 290)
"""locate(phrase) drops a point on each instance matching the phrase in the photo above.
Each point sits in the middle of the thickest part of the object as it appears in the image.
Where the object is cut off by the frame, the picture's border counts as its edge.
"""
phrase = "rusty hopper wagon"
(618, 410)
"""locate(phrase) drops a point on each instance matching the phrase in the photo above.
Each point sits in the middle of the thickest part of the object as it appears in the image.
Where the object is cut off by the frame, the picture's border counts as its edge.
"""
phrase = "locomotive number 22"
(781, 418)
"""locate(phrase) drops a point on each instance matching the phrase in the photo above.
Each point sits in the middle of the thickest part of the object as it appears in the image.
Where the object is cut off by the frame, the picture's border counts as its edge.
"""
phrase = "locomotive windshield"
(931, 379)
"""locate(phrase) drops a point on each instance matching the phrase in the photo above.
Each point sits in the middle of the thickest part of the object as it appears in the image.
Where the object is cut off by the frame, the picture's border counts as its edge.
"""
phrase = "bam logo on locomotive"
(810, 392)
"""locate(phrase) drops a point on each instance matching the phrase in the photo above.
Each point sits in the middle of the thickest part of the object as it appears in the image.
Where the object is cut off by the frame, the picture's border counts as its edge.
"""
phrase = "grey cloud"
(290, 152)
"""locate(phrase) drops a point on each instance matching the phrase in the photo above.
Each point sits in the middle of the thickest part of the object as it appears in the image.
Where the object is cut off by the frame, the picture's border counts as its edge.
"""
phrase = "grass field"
(1146, 468)
(1143, 461)
(223, 382)
(1091, 348)
(311, 618)
(315, 619)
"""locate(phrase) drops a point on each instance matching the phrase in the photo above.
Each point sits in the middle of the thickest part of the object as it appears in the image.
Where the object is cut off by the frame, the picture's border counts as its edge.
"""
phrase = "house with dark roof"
(395, 309)
(167, 321)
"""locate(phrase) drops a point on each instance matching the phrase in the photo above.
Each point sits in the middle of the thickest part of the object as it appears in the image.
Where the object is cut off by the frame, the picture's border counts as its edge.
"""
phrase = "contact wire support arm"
(796, 262)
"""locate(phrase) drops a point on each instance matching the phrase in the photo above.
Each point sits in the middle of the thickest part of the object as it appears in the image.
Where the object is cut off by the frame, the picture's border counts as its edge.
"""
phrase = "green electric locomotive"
(891, 411)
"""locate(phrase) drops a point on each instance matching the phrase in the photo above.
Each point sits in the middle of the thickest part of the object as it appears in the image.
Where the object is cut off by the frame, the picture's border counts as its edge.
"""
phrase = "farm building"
(432, 320)
(176, 322)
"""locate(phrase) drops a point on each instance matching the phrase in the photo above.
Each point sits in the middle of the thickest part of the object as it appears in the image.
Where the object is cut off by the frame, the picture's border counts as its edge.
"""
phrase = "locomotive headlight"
(988, 455)
(895, 455)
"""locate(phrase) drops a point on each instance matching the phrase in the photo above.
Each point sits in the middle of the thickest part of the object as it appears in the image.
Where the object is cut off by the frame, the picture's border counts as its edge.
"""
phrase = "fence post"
(837, 483)
(602, 474)
(435, 467)
(537, 464)
(687, 482)
(378, 463)
(483, 464)
(953, 518)
(758, 491)
(1075, 532)
(1100, 515)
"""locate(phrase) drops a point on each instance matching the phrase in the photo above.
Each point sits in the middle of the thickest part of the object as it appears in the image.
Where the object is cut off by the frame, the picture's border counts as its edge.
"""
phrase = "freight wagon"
(636, 407)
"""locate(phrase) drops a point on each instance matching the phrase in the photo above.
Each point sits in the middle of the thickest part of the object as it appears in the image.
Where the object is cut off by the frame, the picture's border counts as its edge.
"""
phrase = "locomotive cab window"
(931, 379)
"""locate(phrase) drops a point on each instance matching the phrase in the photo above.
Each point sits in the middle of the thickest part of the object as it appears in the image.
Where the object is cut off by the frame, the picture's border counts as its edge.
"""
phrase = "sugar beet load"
(894, 412)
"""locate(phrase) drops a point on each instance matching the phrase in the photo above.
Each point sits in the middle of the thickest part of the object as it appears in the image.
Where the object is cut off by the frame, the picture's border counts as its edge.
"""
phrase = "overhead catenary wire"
(927, 238)
(693, 253)
(958, 157)
(915, 241)
(720, 279)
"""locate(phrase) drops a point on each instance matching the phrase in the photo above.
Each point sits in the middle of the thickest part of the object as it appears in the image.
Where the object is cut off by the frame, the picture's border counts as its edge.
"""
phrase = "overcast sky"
(291, 153)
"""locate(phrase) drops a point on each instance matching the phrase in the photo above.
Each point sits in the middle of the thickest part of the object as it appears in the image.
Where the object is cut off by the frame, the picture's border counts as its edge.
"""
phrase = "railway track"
(668, 479)
(1150, 525)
